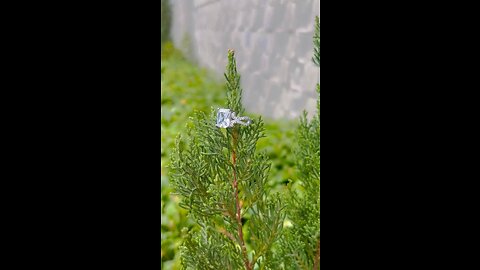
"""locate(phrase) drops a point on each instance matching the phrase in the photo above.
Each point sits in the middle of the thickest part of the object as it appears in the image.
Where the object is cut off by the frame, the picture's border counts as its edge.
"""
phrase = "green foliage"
(213, 241)
(222, 180)
(278, 146)
(184, 87)
(234, 93)
(210, 247)
(172, 218)
(300, 244)
(316, 42)
(302, 240)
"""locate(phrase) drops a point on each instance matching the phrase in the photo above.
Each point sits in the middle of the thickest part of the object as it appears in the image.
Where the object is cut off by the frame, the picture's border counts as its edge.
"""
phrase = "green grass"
(187, 88)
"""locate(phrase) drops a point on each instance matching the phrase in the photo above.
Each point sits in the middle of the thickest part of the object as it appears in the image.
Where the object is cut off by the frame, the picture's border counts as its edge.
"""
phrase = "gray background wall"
(273, 45)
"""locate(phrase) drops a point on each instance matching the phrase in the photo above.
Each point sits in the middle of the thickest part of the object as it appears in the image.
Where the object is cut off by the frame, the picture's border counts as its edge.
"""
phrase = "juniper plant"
(300, 244)
(221, 179)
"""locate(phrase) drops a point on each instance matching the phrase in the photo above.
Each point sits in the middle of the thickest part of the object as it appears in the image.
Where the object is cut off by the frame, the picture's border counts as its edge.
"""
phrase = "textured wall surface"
(273, 45)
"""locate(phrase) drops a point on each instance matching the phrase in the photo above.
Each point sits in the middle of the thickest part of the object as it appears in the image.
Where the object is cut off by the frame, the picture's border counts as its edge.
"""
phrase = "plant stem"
(227, 234)
(237, 201)
(316, 264)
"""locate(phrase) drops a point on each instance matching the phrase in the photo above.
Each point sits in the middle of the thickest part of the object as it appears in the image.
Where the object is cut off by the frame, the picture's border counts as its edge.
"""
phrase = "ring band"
(226, 118)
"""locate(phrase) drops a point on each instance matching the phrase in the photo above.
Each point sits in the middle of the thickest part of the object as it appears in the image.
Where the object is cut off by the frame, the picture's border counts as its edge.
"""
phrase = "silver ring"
(226, 118)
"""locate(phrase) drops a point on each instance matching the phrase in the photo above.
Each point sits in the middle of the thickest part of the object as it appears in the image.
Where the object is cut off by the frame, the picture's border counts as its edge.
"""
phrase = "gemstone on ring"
(224, 118)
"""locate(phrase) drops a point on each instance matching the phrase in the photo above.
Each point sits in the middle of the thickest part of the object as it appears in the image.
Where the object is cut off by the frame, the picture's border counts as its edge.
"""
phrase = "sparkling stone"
(224, 118)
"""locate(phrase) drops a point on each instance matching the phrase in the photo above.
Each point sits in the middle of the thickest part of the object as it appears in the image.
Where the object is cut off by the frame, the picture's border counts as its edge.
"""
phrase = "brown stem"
(227, 234)
(237, 203)
(316, 264)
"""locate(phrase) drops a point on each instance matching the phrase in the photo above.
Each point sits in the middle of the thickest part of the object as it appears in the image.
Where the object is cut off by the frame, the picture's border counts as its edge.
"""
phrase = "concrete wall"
(273, 45)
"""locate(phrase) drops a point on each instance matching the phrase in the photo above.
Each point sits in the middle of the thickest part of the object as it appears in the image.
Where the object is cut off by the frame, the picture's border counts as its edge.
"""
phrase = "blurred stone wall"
(273, 45)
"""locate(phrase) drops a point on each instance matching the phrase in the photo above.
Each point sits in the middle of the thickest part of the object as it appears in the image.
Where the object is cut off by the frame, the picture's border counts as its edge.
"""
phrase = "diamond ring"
(226, 118)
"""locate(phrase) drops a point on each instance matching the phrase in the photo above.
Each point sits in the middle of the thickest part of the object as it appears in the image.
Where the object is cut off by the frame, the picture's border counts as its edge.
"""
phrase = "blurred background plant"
(186, 88)
(299, 246)
(165, 20)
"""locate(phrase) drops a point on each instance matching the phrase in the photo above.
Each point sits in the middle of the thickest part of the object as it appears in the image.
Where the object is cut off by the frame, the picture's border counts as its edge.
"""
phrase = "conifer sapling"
(221, 179)
(300, 244)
